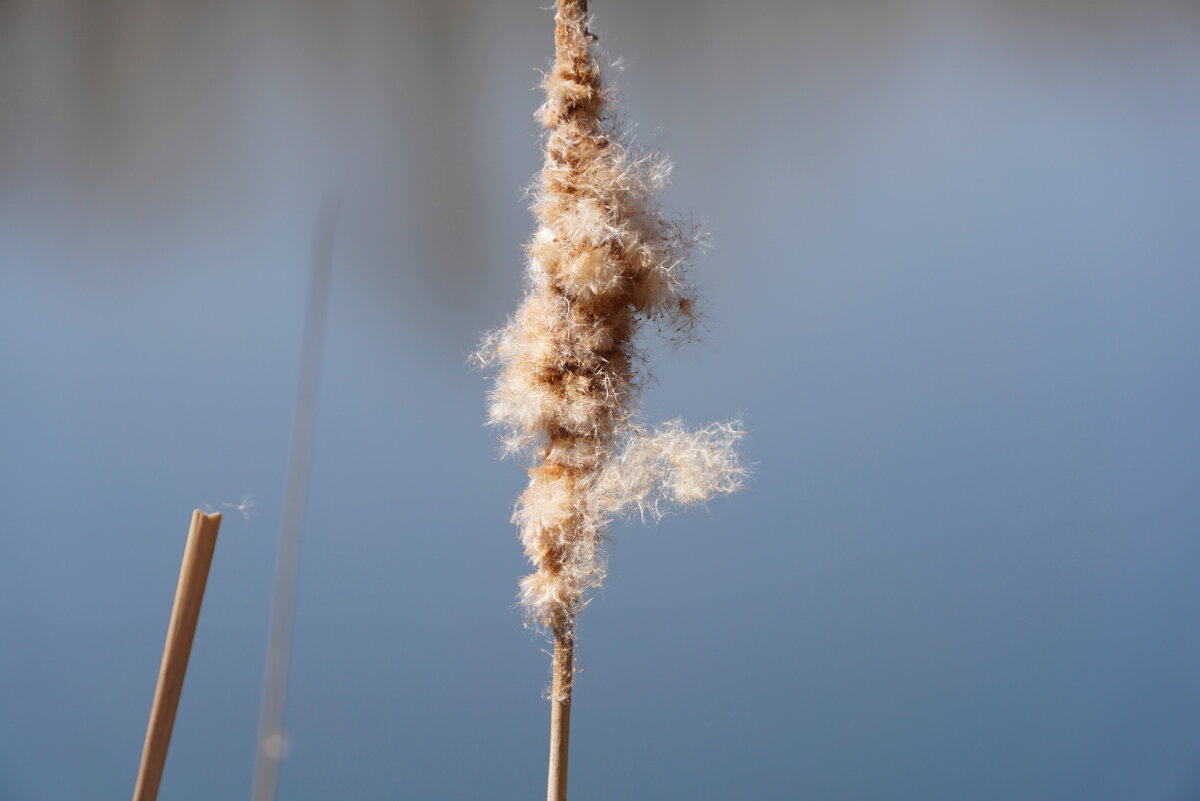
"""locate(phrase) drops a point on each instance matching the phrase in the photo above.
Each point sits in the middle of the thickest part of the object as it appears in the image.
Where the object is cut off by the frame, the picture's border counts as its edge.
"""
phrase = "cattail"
(603, 261)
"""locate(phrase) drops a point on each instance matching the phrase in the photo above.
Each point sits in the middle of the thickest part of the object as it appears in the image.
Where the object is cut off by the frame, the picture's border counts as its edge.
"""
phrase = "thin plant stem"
(560, 716)
(271, 734)
(185, 613)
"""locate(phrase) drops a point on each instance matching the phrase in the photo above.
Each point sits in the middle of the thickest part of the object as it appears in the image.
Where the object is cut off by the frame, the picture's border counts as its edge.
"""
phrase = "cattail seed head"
(603, 259)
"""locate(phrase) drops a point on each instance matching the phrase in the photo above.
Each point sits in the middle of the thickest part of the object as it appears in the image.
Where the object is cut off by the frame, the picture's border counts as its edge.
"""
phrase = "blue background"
(954, 294)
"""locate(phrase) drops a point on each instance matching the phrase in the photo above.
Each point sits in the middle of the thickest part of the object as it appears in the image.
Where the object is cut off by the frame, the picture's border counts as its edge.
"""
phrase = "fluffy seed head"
(603, 259)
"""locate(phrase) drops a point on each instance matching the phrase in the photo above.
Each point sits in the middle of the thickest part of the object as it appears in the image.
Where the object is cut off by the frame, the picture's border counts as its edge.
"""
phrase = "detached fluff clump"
(670, 466)
(602, 260)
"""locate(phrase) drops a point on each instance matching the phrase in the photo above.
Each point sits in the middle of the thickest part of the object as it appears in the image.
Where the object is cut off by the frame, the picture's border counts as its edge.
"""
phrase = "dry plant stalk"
(185, 613)
(602, 261)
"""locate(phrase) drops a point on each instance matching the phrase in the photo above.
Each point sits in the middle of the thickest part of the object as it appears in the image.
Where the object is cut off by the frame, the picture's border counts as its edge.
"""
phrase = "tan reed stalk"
(560, 717)
(602, 261)
(189, 594)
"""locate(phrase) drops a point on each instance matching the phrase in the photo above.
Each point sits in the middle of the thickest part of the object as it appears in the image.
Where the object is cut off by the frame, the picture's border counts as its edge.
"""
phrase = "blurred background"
(953, 292)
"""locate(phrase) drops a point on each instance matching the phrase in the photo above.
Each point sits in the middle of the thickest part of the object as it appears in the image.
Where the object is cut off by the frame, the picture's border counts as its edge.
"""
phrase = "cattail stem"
(193, 575)
(560, 716)
(271, 737)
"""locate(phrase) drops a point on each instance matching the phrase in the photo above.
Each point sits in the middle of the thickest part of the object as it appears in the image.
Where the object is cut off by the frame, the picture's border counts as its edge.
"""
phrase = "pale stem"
(560, 716)
(189, 593)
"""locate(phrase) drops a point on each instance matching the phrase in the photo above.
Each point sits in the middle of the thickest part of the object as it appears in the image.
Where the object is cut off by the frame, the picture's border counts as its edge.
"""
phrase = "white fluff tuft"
(670, 467)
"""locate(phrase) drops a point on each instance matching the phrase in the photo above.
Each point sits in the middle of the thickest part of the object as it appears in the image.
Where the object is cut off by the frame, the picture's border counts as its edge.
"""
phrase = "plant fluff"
(602, 261)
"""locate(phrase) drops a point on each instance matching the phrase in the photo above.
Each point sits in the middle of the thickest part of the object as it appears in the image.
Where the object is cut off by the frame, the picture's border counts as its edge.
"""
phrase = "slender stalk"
(271, 735)
(560, 716)
(189, 594)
